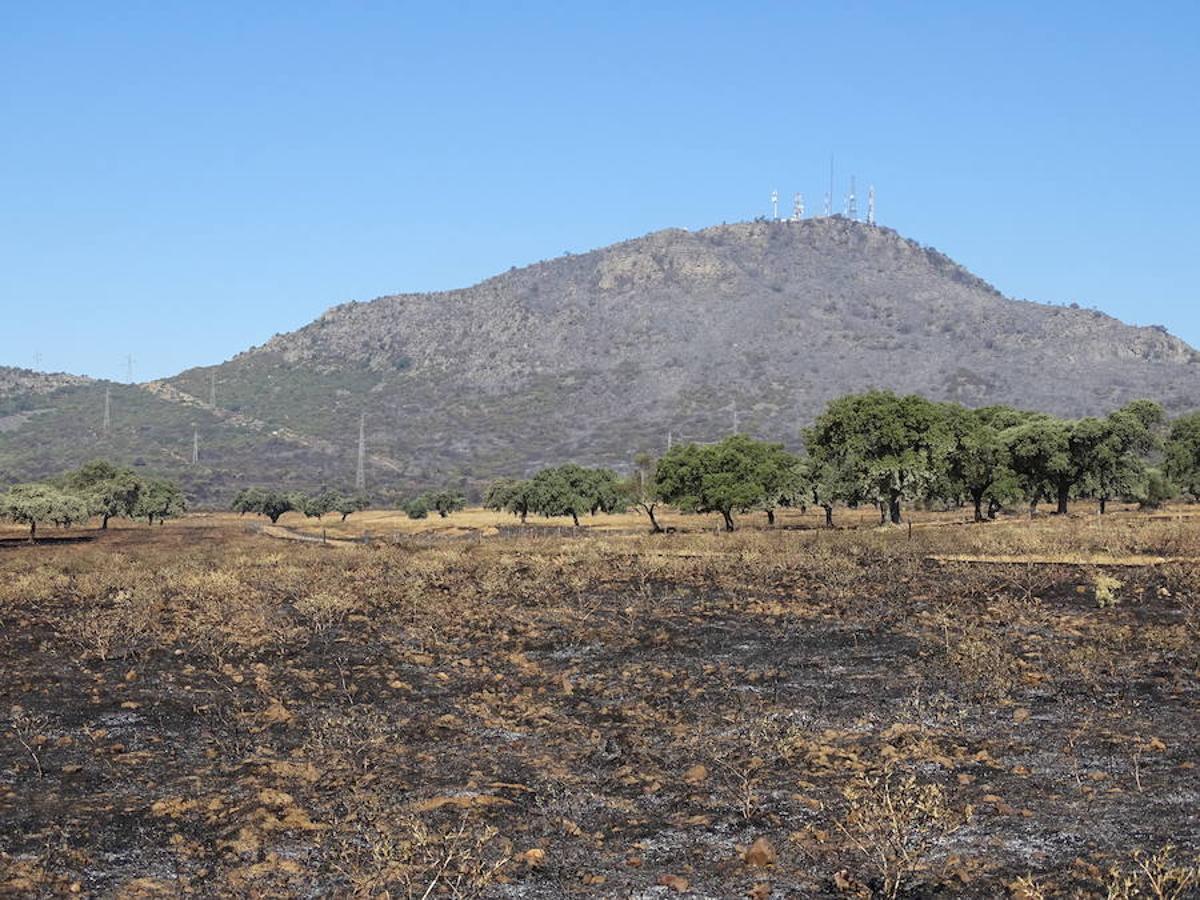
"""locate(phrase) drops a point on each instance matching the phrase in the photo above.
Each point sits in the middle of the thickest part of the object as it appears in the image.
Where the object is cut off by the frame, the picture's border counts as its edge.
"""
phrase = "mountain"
(592, 357)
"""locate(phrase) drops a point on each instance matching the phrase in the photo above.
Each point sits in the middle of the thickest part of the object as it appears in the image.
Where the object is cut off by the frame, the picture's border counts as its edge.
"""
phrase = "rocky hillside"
(595, 356)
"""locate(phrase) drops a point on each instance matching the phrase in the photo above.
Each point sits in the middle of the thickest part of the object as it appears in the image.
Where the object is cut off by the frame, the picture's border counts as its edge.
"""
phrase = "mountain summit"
(592, 357)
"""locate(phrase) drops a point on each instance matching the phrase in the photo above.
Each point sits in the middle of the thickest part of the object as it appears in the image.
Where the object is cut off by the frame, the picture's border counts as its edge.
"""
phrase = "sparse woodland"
(487, 705)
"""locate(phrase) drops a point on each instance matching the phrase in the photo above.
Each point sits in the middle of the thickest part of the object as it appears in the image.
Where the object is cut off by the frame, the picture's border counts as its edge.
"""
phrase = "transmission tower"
(360, 476)
(129, 368)
(195, 445)
(797, 207)
(107, 409)
(775, 205)
(851, 202)
(212, 390)
(871, 205)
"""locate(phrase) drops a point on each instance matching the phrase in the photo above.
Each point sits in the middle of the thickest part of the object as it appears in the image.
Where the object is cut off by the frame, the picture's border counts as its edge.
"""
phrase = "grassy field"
(465, 708)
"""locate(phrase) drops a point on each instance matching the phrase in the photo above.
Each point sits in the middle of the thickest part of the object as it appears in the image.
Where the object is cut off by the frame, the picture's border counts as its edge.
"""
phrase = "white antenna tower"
(670, 440)
(871, 205)
(735, 417)
(797, 207)
(129, 368)
(107, 409)
(360, 476)
(775, 205)
(829, 196)
(851, 202)
(195, 445)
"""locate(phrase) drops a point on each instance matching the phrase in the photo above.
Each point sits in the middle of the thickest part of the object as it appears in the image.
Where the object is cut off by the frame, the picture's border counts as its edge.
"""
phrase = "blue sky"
(179, 181)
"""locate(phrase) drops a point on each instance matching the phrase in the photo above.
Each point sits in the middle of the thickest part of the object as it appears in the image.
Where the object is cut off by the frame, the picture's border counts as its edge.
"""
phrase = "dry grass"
(587, 711)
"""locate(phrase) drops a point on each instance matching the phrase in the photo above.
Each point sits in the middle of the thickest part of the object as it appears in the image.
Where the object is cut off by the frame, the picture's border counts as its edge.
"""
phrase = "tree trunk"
(770, 517)
(882, 512)
(524, 513)
(977, 498)
(993, 508)
(1103, 505)
(575, 517)
(344, 516)
(828, 515)
(33, 532)
(728, 516)
(104, 522)
(1064, 491)
(894, 510)
(655, 528)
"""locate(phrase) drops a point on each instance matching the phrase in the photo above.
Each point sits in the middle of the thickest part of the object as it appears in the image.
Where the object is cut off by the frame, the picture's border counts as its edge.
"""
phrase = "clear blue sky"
(180, 181)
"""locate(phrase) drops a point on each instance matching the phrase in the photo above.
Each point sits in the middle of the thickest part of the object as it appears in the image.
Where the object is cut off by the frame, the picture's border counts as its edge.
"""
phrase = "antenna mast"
(129, 368)
(797, 207)
(871, 205)
(360, 476)
(851, 202)
(829, 196)
(775, 205)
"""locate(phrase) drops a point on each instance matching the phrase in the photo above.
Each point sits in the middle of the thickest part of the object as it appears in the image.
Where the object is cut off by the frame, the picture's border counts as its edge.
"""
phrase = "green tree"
(314, 506)
(880, 447)
(263, 502)
(160, 498)
(1110, 453)
(512, 495)
(107, 489)
(977, 460)
(248, 500)
(31, 504)
(1039, 453)
(416, 508)
(737, 474)
(347, 504)
(445, 501)
(1181, 454)
(572, 490)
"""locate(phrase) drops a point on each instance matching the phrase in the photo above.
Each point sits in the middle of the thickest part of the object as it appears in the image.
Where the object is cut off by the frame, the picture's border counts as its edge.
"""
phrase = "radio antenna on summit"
(829, 196)
(797, 207)
(851, 202)
(871, 205)
(775, 205)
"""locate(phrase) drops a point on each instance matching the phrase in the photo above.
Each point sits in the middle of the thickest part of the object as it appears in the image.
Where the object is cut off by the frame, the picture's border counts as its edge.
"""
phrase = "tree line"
(273, 503)
(96, 489)
(869, 449)
(884, 450)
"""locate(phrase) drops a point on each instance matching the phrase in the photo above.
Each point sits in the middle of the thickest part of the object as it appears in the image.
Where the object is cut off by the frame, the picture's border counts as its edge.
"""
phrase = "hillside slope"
(595, 356)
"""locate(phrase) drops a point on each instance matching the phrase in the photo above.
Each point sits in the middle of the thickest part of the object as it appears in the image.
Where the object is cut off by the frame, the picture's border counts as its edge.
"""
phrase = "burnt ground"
(215, 713)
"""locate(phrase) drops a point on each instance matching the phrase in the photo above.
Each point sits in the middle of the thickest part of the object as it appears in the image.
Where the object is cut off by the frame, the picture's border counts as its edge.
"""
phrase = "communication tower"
(775, 205)
(797, 207)
(871, 205)
(851, 202)
(360, 475)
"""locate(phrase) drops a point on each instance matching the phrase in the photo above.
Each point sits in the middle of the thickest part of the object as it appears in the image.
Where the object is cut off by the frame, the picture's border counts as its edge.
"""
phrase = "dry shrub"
(896, 822)
(324, 611)
(382, 852)
(1160, 875)
(123, 626)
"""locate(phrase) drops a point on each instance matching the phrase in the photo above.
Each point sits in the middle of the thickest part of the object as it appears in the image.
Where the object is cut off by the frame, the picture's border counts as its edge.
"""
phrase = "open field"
(462, 708)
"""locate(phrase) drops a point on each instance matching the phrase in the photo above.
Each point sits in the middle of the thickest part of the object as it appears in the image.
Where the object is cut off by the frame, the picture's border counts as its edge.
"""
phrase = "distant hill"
(592, 357)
